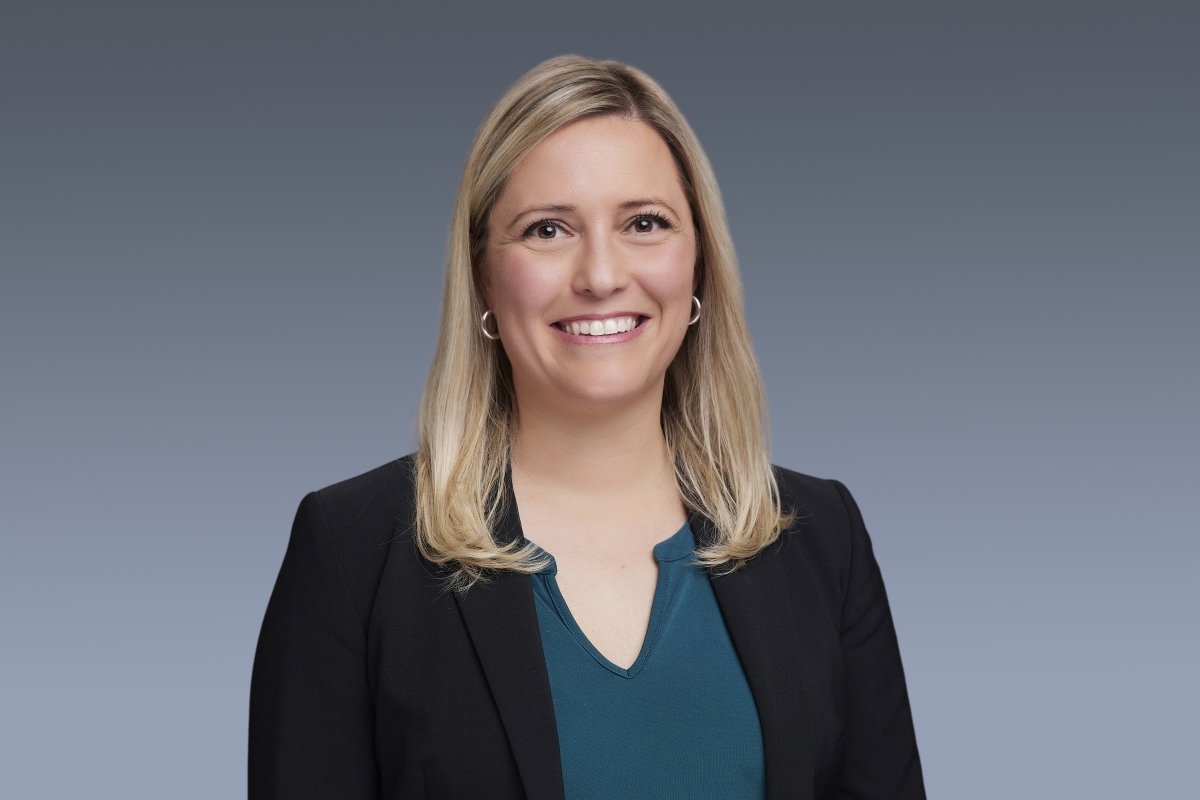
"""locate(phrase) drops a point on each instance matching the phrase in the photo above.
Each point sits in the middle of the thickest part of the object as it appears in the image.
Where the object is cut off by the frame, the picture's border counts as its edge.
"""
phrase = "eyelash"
(659, 218)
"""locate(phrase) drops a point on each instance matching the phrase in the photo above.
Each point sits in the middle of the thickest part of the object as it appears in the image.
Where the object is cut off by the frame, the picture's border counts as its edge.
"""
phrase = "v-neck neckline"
(667, 553)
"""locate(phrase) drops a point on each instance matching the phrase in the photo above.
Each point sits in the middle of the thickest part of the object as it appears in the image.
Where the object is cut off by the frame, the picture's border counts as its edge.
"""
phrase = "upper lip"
(601, 317)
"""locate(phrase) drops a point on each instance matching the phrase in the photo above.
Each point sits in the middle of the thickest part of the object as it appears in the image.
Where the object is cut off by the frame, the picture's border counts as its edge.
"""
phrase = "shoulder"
(826, 529)
(806, 493)
(376, 505)
(368, 520)
(816, 502)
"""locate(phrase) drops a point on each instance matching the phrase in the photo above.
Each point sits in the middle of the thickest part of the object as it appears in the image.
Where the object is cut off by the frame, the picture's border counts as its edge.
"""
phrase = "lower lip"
(608, 338)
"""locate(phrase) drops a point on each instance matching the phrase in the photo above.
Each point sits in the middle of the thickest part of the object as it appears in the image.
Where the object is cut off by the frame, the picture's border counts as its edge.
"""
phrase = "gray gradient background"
(969, 239)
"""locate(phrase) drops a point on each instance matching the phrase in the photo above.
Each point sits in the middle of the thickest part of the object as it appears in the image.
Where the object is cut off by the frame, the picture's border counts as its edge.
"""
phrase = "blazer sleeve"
(881, 746)
(311, 714)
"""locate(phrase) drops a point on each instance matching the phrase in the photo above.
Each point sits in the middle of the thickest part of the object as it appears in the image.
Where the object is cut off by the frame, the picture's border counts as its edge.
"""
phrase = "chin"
(598, 391)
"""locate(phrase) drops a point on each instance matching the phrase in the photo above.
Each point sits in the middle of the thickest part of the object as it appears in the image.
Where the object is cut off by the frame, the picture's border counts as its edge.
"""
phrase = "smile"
(600, 327)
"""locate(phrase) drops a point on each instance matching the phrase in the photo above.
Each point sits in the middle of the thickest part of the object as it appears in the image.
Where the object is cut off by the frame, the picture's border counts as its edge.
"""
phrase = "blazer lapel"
(761, 622)
(502, 621)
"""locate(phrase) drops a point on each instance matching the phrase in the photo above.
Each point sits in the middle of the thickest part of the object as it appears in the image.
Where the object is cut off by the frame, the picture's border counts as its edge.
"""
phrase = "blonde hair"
(714, 407)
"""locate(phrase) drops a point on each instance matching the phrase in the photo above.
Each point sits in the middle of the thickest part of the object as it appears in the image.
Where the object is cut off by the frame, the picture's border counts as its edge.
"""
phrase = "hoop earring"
(695, 317)
(483, 326)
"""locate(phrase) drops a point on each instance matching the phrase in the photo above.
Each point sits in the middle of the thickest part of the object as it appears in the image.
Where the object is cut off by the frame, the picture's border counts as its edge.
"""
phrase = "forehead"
(595, 160)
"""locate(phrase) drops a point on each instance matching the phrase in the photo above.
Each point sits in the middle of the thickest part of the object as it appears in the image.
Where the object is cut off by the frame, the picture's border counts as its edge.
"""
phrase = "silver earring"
(483, 325)
(695, 317)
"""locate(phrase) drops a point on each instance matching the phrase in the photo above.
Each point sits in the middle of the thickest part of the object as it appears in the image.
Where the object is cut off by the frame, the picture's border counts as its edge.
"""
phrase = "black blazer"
(372, 680)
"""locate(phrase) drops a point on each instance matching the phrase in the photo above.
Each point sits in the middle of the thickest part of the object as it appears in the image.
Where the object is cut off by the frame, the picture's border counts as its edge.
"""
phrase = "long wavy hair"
(714, 406)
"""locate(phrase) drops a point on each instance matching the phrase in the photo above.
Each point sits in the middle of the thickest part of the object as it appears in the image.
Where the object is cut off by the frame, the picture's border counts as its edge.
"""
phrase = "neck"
(599, 453)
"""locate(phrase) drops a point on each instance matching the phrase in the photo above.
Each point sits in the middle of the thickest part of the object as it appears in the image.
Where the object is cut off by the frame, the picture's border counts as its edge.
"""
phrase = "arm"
(311, 714)
(881, 746)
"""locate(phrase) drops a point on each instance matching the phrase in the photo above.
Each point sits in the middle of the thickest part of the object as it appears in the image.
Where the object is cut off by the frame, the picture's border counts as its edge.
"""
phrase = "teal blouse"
(680, 722)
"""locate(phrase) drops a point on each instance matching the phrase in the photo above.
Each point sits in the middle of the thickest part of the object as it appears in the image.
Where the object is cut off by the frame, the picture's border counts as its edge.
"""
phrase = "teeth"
(599, 327)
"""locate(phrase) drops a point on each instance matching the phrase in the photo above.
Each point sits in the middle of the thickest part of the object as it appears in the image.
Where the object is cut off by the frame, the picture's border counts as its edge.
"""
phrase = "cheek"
(667, 275)
(522, 287)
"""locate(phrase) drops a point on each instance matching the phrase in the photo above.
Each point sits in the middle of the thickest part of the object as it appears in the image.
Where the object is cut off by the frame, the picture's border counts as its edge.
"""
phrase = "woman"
(588, 581)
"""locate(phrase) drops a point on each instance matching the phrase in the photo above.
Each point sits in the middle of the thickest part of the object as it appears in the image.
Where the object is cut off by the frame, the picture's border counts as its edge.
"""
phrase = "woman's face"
(590, 264)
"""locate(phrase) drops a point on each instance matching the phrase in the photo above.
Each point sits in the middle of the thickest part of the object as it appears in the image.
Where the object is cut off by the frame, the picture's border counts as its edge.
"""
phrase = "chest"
(606, 569)
(680, 721)
(452, 674)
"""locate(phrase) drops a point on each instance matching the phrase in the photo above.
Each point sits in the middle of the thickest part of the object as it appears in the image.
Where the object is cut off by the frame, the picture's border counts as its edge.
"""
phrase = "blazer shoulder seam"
(844, 496)
(333, 545)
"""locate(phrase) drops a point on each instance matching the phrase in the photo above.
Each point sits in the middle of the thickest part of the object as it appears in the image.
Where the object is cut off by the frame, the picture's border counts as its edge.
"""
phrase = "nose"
(600, 270)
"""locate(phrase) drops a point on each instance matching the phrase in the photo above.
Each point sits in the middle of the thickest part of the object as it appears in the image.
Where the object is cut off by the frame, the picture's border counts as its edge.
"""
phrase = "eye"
(543, 229)
(649, 223)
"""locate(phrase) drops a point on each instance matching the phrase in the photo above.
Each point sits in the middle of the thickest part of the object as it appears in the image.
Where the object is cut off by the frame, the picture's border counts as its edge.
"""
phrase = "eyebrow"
(645, 201)
(547, 209)
(566, 209)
